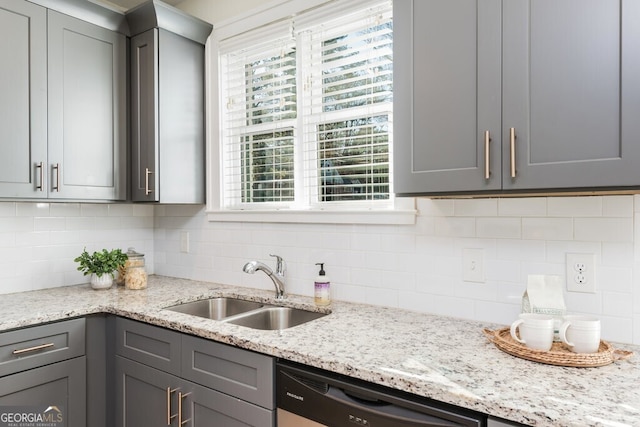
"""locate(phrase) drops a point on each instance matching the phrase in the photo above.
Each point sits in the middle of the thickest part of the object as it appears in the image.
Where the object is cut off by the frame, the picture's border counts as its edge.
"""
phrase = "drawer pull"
(487, 167)
(30, 349)
(147, 190)
(169, 416)
(512, 140)
(56, 167)
(180, 397)
(41, 167)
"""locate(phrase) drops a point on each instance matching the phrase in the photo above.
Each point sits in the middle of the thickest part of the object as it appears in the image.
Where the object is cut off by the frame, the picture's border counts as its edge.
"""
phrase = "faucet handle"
(280, 265)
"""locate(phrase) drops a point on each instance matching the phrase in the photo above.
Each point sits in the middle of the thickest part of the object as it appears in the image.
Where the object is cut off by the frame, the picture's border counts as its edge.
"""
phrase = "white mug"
(536, 331)
(581, 333)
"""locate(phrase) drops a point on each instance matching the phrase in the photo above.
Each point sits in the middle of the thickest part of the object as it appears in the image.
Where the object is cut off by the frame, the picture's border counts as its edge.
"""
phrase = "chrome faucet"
(277, 278)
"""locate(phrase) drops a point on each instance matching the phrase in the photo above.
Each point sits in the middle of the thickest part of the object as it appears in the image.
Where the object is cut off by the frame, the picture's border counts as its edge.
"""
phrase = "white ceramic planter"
(103, 282)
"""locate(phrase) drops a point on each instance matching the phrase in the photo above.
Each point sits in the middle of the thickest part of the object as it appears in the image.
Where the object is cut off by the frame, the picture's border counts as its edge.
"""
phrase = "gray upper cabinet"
(87, 110)
(446, 95)
(23, 103)
(167, 105)
(63, 109)
(571, 92)
(516, 96)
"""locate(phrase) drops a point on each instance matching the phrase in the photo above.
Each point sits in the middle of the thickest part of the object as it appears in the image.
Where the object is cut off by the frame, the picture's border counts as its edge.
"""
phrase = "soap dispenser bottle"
(322, 290)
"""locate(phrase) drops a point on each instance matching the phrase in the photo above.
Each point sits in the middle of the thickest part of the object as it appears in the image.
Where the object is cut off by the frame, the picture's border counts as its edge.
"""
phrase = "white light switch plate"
(473, 265)
(184, 241)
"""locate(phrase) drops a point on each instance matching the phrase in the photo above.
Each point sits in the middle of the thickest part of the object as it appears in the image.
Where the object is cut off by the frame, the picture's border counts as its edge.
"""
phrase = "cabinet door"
(23, 103)
(205, 407)
(54, 390)
(446, 96)
(87, 110)
(571, 91)
(144, 117)
(145, 397)
(167, 126)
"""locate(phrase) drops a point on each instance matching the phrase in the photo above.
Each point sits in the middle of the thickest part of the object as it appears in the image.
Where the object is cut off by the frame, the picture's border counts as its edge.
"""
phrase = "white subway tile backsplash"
(499, 228)
(96, 209)
(49, 224)
(522, 207)
(530, 250)
(31, 209)
(604, 229)
(435, 207)
(617, 206)
(64, 209)
(418, 267)
(455, 227)
(614, 279)
(575, 206)
(7, 209)
(16, 224)
(617, 305)
(476, 207)
(547, 228)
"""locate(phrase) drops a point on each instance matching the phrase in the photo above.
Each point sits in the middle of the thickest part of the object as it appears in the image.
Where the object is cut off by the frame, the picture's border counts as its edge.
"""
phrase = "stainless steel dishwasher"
(307, 397)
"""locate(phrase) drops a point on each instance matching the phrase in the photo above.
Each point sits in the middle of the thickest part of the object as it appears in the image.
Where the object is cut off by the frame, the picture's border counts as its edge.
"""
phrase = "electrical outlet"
(473, 265)
(581, 274)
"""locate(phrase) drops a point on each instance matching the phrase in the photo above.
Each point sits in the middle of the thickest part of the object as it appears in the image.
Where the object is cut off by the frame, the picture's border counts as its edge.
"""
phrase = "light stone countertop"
(443, 358)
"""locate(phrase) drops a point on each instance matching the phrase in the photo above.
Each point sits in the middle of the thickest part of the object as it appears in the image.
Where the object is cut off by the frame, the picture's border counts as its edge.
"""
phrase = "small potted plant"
(101, 266)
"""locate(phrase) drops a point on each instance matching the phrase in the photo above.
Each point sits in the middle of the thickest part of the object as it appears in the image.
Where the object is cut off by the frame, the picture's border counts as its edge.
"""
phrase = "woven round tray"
(559, 354)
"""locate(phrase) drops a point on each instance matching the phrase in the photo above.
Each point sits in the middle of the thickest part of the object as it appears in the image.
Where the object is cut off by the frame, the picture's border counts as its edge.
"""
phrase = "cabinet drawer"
(151, 345)
(41, 345)
(236, 372)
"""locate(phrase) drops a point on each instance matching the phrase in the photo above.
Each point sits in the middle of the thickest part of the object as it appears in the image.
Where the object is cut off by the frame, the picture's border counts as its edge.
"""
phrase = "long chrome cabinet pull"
(147, 190)
(56, 167)
(180, 397)
(41, 167)
(512, 138)
(30, 349)
(487, 166)
(169, 416)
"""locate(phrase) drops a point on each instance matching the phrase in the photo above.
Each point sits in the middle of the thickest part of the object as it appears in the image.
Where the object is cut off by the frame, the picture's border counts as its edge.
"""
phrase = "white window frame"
(399, 210)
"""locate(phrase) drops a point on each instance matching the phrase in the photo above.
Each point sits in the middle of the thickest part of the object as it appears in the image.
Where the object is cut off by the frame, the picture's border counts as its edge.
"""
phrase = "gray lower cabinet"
(515, 96)
(43, 370)
(165, 378)
(63, 110)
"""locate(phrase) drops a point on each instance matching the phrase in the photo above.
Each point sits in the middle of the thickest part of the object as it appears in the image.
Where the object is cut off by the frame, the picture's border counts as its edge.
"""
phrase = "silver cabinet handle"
(41, 167)
(487, 168)
(170, 391)
(56, 167)
(180, 397)
(147, 190)
(512, 139)
(31, 349)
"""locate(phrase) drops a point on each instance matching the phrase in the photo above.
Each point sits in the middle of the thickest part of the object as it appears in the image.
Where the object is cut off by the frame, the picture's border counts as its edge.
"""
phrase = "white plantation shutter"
(307, 110)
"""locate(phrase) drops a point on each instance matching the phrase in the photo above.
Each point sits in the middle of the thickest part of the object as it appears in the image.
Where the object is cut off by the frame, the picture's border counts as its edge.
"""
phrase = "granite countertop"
(439, 357)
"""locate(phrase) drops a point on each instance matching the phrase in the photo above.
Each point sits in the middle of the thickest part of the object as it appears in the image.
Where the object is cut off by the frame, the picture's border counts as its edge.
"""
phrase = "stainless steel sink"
(251, 314)
(272, 318)
(216, 308)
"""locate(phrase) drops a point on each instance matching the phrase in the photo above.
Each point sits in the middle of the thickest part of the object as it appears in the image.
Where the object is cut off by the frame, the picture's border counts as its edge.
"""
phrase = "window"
(306, 111)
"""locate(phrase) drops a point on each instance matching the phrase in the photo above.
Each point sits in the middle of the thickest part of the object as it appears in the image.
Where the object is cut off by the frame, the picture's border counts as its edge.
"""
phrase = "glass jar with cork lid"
(135, 274)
